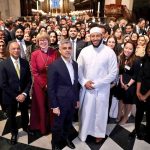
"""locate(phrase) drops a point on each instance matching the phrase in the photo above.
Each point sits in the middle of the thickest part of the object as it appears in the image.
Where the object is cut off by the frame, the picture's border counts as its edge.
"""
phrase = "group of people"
(60, 66)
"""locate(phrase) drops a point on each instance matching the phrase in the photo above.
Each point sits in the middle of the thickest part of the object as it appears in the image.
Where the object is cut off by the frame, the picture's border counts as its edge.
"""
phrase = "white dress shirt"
(70, 68)
(23, 44)
(74, 48)
(14, 62)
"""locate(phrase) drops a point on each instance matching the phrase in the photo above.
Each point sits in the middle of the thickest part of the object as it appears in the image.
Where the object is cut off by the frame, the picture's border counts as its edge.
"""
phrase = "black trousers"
(62, 125)
(12, 111)
(1, 102)
(142, 107)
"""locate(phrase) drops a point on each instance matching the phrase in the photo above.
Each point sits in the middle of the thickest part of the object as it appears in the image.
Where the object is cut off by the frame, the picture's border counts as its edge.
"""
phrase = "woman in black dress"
(143, 97)
(129, 66)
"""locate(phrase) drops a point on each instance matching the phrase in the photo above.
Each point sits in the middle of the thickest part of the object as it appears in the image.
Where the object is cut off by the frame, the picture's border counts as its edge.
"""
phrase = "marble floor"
(117, 138)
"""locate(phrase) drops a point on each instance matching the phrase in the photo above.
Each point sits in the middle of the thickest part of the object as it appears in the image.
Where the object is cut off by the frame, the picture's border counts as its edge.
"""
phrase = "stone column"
(9, 8)
(4, 9)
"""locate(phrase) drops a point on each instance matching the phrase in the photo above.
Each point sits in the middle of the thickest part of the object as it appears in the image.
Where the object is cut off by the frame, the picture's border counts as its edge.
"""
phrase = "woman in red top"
(40, 59)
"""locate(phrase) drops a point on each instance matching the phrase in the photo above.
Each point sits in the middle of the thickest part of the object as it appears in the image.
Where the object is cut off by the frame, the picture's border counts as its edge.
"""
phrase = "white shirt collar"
(20, 40)
(14, 60)
(75, 40)
(66, 61)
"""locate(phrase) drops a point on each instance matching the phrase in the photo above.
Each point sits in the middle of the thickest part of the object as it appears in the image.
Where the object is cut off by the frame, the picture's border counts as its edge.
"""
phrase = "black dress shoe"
(70, 144)
(55, 148)
(133, 134)
(4, 115)
(139, 135)
(13, 140)
(147, 138)
(30, 132)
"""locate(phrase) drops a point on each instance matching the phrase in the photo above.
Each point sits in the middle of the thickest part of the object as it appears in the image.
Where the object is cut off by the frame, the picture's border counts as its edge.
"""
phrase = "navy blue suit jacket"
(11, 85)
(61, 92)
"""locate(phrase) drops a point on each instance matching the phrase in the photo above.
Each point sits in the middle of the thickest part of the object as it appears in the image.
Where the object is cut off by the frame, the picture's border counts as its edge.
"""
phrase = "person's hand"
(122, 85)
(140, 97)
(143, 98)
(89, 85)
(77, 105)
(126, 87)
(21, 98)
(56, 111)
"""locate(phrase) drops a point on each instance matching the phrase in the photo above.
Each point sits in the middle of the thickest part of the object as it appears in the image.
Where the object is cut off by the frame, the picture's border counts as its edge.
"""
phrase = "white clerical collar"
(44, 50)
(66, 61)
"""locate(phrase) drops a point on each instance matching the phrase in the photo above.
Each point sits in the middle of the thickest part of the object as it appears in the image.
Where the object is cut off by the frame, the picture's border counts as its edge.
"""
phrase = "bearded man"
(97, 68)
(19, 34)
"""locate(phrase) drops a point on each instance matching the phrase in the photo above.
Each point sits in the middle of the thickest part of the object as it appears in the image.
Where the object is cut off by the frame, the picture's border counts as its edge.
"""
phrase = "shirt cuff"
(25, 94)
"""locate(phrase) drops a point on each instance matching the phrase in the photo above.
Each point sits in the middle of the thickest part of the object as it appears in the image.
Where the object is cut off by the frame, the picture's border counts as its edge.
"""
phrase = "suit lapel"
(75, 72)
(22, 69)
(12, 67)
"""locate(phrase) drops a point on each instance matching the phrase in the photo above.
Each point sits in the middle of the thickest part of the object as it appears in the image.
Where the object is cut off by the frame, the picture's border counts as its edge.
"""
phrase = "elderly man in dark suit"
(63, 94)
(15, 81)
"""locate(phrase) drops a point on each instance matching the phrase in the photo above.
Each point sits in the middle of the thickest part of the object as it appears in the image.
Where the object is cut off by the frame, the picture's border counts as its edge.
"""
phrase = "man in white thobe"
(97, 65)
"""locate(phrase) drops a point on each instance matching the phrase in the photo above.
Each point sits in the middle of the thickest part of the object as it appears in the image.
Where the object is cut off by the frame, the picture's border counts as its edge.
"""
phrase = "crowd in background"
(129, 40)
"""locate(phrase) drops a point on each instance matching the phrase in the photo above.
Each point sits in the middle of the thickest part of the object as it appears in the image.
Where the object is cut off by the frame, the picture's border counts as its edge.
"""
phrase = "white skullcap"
(95, 30)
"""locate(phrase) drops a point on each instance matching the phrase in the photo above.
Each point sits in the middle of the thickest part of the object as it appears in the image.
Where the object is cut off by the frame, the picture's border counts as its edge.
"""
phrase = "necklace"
(45, 60)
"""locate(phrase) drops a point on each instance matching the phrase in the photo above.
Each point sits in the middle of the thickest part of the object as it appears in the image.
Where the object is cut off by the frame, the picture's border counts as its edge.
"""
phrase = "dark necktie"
(73, 44)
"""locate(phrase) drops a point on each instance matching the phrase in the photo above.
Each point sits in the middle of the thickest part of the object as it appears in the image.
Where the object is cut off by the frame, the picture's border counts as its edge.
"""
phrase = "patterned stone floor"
(116, 138)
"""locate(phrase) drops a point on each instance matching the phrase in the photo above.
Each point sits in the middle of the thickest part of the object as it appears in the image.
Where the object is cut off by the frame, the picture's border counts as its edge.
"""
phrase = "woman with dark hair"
(31, 47)
(129, 66)
(27, 29)
(3, 56)
(64, 33)
(41, 29)
(83, 33)
(119, 35)
(143, 97)
(112, 43)
(134, 37)
(53, 40)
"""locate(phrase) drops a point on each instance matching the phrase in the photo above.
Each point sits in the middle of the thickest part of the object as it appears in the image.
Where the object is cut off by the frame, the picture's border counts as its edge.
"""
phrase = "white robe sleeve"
(80, 61)
(112, 72)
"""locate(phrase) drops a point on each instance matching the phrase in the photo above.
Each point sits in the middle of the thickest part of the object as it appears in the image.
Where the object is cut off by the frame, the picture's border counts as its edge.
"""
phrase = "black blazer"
(11, 85)
(61, 92)
(79, 46)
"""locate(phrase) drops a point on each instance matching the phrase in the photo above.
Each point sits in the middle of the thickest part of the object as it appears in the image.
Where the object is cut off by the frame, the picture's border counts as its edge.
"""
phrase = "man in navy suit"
(63, 94)
(77, 44)
(15, 81)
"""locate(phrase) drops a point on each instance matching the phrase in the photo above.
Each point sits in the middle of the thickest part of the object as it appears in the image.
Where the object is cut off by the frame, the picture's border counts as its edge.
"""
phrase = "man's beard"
(19, 37)
(96, 46)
